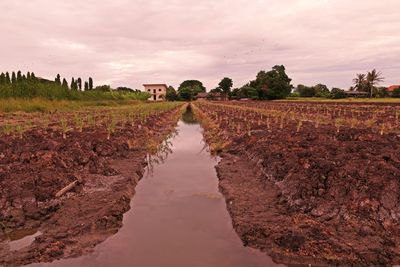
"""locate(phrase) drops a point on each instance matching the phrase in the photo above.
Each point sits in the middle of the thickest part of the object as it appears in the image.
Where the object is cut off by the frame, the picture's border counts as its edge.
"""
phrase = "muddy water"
(178, 216)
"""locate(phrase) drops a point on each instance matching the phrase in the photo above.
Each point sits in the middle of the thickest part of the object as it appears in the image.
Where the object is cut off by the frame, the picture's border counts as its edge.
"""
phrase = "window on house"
(154, 91)
(159, 90)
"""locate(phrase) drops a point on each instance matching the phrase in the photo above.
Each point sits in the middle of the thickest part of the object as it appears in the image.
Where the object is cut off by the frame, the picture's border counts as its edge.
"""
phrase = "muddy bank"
(33, 169)
(315, 196)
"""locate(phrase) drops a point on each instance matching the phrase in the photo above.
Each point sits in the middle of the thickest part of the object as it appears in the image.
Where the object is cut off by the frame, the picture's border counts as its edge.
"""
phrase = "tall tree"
(13, 77)
(73, 84)
(2, 78)
(8, 80)
(225, 84)
(90, 83)
(195, 85)
(374, 78)
(58, 79)
(19, 76)
(86, 86)
(360, 82)
(79, 83)
(274, 84)
(65, 83)
(171, 94)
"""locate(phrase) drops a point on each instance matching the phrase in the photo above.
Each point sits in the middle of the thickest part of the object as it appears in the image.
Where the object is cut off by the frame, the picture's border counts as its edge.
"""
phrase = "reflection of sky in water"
(178, 217)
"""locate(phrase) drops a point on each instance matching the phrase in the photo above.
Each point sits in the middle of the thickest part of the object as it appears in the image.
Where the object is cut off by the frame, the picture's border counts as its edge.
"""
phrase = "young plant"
(64, 127)
(8, 129)
(79, 122)
(111, 127)
(338, 124)
(299, 125)
(20, 130)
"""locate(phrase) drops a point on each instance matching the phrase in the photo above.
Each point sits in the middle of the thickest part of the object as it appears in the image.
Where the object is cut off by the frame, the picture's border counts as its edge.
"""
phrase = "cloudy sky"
(131, 42)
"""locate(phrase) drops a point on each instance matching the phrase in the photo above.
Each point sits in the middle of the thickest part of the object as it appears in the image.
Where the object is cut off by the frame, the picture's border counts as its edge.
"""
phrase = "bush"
(396, 92)
(337, 93)
(305, 91)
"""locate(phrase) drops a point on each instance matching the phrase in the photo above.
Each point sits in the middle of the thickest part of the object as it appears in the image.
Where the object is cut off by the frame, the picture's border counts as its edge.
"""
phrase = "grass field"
(46, 105)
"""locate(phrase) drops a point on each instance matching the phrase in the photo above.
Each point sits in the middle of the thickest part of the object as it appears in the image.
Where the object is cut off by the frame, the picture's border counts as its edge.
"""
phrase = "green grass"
(46, 105)
(347, 100)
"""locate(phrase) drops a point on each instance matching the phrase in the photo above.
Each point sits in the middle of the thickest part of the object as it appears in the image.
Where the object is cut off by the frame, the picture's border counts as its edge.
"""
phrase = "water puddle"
(22, 238)
(178, 216)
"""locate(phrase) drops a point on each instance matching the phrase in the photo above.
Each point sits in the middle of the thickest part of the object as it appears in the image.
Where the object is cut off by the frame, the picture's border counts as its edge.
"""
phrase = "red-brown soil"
(313, 196)
(34, 168)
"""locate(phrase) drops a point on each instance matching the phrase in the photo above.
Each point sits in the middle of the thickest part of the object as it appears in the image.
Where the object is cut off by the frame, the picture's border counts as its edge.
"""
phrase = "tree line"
(19, 85)
(273, 84)
(276, 84)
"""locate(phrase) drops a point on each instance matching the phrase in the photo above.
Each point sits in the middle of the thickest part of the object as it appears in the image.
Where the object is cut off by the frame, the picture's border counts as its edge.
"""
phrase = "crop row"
(238, 116)
(108, 119)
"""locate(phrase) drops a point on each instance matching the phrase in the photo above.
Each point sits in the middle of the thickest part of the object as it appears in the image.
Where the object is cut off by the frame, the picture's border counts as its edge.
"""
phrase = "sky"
(131, 42)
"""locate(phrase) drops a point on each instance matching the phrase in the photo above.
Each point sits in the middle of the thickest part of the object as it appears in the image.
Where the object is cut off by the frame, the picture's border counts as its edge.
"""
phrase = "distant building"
(356, 94)
(158, 91)
(202, 96)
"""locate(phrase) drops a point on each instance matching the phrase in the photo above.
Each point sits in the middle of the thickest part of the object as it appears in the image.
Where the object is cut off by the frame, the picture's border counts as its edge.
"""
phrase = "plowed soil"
(314, 196)
(34, 168)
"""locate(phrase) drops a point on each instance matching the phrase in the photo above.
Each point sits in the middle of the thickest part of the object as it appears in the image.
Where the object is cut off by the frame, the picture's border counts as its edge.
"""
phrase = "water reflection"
(188, 116)
(161, 152)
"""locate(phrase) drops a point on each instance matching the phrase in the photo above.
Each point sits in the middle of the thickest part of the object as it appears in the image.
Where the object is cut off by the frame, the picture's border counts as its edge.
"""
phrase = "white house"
(157, 91)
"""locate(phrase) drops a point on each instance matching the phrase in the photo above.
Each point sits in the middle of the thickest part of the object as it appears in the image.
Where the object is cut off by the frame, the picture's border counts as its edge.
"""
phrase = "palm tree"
(374, 78)
(360, 82)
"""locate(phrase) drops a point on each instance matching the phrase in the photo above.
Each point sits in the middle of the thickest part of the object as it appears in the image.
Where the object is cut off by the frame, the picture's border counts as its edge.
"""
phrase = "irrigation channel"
(178, 217)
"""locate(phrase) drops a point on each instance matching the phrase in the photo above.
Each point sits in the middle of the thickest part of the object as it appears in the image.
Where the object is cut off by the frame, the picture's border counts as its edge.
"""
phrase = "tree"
(247, 92)
(306, 91)
(65, 83)
(373, 78)
(8, 80)
(86, 86)
(2, 78)
(104, 88)
(90, 83)
(186, 93)
(396, 92)
(337, 93)
(225, 84)
(79, 83)
(125, 89)
(13, 77)
(74, 85)
(28, 76)
(171, 94)
(19, 76)
(57, 80)
(321, 90)
(274, 84)
(195, 85)
(360, 83)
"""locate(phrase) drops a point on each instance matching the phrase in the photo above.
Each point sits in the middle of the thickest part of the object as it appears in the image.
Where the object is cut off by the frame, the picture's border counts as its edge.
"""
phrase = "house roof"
(155, 84)
(391, 88)
(202, 94)
(355, 93)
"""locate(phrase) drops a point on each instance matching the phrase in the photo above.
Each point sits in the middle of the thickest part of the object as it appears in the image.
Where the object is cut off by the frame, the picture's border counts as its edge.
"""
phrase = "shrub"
(337, 93)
